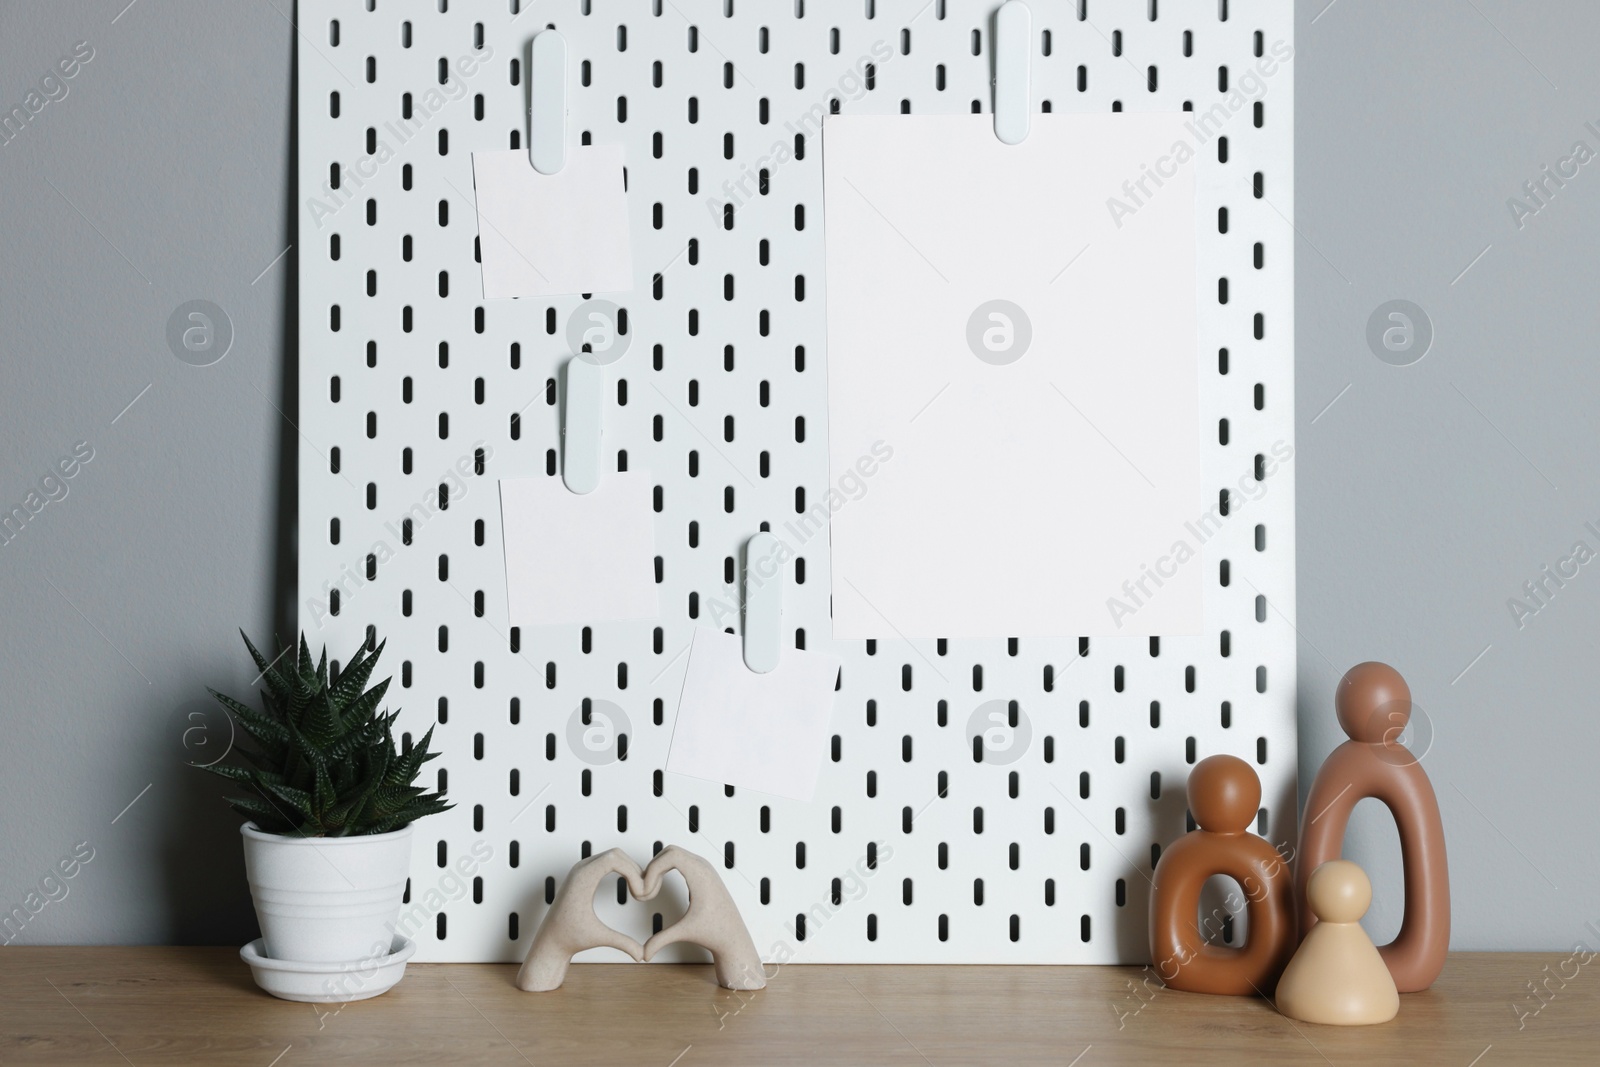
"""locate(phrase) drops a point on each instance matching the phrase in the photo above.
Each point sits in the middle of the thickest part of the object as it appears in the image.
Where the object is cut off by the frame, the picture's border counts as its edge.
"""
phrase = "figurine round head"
(1339, 892)
(1373, 703)
(1224, 794)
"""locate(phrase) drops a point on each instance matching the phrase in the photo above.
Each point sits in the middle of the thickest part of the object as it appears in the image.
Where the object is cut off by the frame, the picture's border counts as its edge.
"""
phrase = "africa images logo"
(999, 332)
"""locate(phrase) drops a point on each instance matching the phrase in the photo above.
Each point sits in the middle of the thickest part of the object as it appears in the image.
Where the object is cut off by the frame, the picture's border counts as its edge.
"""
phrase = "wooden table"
(198, 1006)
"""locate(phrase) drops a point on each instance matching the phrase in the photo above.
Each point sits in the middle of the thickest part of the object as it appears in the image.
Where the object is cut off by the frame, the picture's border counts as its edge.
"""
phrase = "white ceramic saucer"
(328, 983)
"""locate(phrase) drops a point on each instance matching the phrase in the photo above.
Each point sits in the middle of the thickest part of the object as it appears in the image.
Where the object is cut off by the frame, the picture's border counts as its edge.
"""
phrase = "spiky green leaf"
(323, 759)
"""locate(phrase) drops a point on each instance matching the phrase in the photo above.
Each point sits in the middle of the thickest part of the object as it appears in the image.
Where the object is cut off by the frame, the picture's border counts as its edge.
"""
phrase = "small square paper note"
(767, 732)
(556, 234)
(579, 559)
(1013, 386)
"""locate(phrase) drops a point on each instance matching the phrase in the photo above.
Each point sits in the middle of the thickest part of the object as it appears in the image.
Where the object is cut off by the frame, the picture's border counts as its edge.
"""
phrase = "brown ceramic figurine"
(1374, 705)
(1224, 794)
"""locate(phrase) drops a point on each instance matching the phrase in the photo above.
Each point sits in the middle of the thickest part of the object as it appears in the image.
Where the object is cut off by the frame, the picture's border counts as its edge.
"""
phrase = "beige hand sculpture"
(571, 925)
(712, 920)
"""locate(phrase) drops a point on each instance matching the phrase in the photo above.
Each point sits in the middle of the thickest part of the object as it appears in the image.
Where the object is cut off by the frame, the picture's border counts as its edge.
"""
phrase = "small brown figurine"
(1374, 704)
(1224, 794)
(1337, 976)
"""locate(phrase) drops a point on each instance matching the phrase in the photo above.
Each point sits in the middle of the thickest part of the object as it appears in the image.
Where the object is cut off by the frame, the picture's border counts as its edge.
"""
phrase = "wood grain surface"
(198, 1006)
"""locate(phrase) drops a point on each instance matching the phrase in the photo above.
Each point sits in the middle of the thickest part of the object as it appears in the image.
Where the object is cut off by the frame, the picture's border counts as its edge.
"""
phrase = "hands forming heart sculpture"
(712, 921)
(571, 925)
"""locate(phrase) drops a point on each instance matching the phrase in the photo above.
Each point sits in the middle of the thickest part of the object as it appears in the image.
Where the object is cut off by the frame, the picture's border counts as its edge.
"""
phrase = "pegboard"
(416, 395)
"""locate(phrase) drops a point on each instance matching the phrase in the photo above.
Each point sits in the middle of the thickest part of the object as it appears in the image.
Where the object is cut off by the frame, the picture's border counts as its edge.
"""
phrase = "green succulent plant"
(325, 763)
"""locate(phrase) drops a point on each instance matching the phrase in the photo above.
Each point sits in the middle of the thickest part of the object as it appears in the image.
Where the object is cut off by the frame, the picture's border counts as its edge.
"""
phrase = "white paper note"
(579, 559)
(556, 234)
(767, 732)
(1013, 391)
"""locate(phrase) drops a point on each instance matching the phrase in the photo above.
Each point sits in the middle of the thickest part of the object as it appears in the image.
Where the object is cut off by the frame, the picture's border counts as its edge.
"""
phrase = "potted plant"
(329, 804)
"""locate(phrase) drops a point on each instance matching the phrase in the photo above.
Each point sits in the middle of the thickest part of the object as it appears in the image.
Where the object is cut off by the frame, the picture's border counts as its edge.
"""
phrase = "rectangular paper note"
(767, 732)
(1013, 393)
(556, 234)
(579, 559)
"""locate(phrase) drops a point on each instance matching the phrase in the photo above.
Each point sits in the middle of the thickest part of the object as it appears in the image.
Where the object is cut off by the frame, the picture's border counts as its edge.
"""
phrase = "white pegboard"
(415, 390)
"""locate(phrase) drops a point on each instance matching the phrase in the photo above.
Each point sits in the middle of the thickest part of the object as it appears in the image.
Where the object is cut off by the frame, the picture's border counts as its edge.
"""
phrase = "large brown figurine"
(1224, 794)
(1374, 705)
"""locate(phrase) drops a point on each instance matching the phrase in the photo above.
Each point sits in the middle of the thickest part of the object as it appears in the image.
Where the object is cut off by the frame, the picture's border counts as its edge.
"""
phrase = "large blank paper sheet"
(1014, 327)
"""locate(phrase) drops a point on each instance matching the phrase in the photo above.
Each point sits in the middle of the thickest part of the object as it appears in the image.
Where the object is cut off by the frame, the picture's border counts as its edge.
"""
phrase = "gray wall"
(1428, 493)
(162, 176)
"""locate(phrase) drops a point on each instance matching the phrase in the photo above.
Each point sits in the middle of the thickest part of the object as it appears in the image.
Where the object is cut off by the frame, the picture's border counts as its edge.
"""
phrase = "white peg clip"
(1012, 88)
(580, 425)
(547, 102)
(763, 603)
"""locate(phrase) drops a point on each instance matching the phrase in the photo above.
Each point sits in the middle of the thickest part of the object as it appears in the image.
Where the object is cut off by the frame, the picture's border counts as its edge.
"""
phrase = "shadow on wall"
(285, 576)
(202, 862)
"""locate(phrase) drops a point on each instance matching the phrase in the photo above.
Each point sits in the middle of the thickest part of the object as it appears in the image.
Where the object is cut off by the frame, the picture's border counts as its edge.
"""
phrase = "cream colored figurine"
(712, 921)
(1337, 976)
(571, 925)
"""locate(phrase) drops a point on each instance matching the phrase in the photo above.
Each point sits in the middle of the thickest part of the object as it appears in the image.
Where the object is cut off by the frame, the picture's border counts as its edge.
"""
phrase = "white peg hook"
(763, 603)
(1012, 87)
(547, 102)
(580, 425)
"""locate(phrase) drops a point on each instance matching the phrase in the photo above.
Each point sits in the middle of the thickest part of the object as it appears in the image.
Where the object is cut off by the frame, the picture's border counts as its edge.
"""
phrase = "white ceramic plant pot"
(326, 899)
